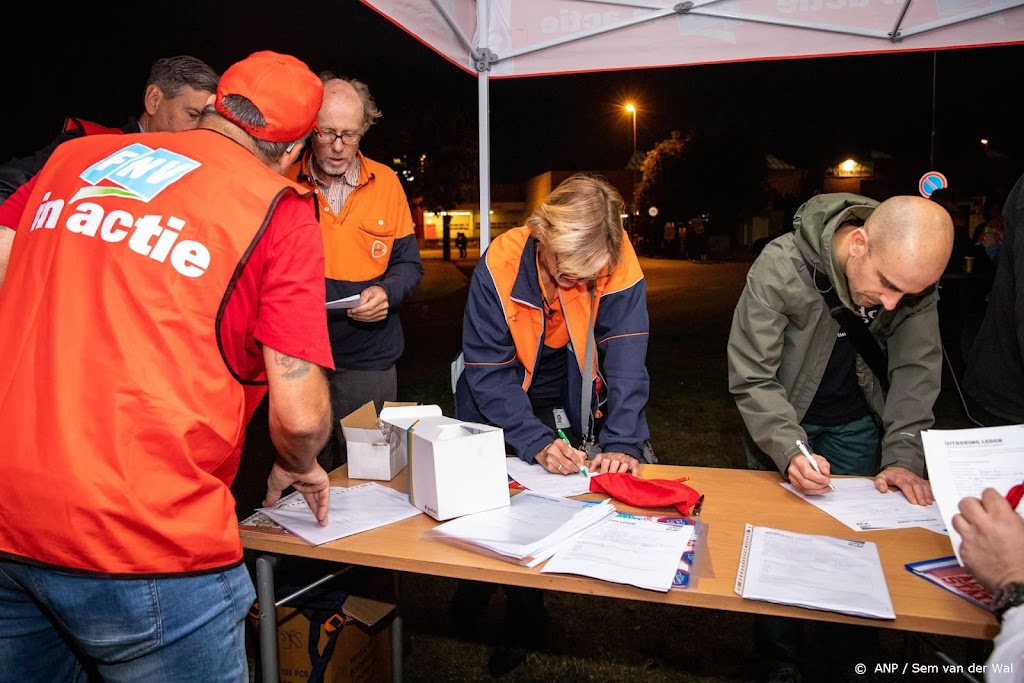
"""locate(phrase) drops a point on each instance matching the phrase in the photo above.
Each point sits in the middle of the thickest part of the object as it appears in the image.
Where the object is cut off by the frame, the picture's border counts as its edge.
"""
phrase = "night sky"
(805, 110)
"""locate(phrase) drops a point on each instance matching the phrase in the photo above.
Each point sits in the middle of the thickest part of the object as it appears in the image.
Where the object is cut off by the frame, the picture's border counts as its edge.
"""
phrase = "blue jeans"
(56, 627)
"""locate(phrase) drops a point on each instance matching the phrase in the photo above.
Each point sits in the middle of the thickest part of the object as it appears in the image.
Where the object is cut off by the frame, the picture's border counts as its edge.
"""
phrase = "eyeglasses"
(329, 136)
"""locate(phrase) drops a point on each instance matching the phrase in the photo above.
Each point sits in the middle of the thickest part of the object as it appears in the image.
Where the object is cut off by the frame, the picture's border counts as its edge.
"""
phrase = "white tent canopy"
(535, 37)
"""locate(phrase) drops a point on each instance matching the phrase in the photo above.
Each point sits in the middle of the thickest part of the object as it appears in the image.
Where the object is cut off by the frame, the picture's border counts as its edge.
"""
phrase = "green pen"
(583, 468)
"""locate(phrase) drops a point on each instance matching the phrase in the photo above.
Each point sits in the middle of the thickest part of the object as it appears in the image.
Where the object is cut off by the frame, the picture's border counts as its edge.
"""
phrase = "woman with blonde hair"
(541, 296)
(554, 343)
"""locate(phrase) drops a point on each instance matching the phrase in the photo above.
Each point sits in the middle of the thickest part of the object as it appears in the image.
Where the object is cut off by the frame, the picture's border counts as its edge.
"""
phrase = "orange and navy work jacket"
(371, 241)
(503, 334)
(121, 418)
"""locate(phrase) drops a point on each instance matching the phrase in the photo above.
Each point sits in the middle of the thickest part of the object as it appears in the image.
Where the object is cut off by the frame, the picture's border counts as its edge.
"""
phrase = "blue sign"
(931, 181)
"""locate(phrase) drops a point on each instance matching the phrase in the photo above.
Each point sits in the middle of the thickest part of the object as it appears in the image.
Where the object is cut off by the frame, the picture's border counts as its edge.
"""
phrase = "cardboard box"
(362, 653)
(455, 468)
(368, 454)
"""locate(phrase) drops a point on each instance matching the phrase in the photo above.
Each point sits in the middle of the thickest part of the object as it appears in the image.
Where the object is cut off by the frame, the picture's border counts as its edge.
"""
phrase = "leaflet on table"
(350, 511)
(527, 531)
(686, 573)
(964, 462)
(347, 302)
(862, 507)
(949, 574)
(630, 551)
(537, 479)
(258, 521)
(816, 572)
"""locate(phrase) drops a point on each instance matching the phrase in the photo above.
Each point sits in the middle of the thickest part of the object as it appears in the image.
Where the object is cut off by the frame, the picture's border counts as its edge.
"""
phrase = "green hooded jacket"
(782, 336)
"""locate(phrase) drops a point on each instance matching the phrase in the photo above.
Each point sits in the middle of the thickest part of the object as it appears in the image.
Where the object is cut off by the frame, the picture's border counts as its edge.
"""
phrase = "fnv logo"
(378, 249)
(137, 172)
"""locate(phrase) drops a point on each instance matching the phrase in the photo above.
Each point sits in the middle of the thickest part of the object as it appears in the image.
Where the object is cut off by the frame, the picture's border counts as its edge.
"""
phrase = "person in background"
(133, 322)
(963, 245)
(526, 335)
(797, 376)
(994, 373)
(992, 549)
(370, 251)
(989, 235)
(176, 92)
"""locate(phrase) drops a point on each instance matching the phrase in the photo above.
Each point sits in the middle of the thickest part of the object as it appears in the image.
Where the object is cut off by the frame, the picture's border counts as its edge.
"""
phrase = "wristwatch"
(1009, 596)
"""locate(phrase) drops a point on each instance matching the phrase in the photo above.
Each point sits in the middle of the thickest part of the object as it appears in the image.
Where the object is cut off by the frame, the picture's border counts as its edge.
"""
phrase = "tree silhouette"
(718, 173)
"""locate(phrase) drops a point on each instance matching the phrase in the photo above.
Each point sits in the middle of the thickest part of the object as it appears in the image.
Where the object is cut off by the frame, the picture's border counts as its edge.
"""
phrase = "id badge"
(561, 419)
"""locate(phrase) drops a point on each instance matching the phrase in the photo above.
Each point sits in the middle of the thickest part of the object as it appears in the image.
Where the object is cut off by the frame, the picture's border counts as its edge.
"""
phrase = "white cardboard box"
(368, 454)
(455, 468)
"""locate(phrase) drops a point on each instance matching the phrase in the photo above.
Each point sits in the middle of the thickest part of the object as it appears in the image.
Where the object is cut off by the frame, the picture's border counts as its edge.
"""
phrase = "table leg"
(397, 643)
(268, 616)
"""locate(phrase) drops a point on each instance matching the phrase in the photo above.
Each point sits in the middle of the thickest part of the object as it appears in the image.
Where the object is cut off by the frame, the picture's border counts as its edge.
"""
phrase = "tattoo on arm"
(294, 367)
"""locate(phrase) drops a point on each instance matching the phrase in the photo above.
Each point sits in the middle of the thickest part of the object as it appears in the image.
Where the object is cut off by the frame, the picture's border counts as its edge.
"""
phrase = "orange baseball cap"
(282, 87)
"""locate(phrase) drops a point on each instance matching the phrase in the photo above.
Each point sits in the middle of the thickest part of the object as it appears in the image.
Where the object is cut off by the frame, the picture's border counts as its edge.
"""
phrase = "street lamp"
(631, 108)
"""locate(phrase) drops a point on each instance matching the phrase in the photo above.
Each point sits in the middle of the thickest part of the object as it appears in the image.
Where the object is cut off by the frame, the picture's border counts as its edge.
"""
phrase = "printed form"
(539, 480)
(964, 462)
(350, 511)
(817, 572)
(862, 507)
(636, 552)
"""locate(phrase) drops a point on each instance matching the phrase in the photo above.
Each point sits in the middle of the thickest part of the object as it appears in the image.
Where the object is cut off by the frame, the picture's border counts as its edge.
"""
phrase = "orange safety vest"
(121, 417)
(526, 320)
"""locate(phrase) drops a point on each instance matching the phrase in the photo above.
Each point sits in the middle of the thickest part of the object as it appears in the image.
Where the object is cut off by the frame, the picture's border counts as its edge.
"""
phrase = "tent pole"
(931, 153)
(484, 121)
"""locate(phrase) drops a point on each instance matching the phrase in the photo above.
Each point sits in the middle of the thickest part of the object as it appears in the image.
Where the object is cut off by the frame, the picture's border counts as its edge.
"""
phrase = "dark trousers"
(350, 389)
(850, 448)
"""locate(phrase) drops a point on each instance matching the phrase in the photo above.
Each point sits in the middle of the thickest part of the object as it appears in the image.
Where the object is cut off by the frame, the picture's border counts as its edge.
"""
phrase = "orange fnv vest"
(120, 416)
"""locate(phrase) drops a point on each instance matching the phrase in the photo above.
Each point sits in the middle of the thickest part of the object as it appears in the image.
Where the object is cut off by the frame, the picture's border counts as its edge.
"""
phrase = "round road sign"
(931, 181)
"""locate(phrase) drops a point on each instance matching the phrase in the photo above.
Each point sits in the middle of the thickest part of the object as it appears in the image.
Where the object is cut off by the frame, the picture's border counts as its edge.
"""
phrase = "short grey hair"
(172, 74)
(370, 110)
(243, 111)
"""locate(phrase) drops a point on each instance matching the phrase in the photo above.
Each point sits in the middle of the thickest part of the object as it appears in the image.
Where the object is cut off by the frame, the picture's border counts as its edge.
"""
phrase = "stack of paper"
(817, 572)
(625, 550)
(528, 531)
(351, 511)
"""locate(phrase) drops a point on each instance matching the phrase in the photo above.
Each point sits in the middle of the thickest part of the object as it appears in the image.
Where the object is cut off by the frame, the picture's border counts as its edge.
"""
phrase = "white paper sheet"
(539, 480)
(347, 302)
(351, 511)
(964, 462)
(528, 530)
(862, 507)
(635, 552)
(817, 572)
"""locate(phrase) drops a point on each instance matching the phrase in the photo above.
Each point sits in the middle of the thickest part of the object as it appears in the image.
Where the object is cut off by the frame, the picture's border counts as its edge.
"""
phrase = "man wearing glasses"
(370, 251)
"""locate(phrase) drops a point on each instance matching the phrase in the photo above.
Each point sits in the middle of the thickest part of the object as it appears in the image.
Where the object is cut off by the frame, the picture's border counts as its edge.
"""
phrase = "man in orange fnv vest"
(156, 280)
(176, 92)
